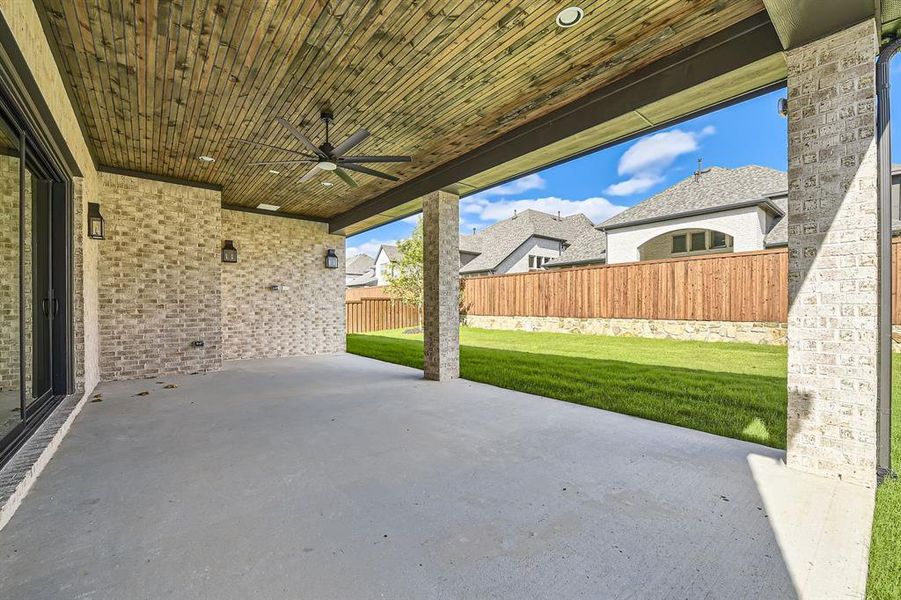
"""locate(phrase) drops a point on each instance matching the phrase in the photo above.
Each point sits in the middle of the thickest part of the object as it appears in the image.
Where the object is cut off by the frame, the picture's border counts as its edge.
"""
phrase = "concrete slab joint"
(833, 256)
(441, 286)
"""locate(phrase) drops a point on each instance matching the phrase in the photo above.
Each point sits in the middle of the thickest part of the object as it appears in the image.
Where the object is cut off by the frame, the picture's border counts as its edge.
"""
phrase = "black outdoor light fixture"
(229, 252)
(331, 259)
(95, 221)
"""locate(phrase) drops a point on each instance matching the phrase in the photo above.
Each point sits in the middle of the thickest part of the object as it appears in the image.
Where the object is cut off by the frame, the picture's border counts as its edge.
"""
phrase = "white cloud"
(635, 185)
(370, 247)
(412, 219)
(645, 160)
(517, 186)
(596, 209)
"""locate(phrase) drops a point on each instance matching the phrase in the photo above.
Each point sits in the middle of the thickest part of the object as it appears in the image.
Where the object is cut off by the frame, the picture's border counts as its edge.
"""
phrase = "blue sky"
(605, 182)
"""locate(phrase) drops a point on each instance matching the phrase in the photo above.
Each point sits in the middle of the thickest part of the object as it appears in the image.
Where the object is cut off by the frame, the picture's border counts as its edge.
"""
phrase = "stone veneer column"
(833, 252)
(441, 285)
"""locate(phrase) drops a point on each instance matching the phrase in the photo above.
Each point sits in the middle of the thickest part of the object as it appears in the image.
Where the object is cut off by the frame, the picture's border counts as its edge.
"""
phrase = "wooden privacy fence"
(750, 286)
(374, 314)
(366, 292)
(747, 286)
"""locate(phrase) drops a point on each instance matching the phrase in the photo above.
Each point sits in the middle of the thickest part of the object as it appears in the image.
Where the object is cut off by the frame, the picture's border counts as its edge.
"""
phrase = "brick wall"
(308, 317)
(832, 225)
(158, 278)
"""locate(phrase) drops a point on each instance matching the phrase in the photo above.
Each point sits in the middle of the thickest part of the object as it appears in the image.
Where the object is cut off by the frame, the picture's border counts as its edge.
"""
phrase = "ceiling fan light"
(327, 165)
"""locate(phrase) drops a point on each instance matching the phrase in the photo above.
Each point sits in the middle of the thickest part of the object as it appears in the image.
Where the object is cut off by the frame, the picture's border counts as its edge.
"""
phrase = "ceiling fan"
(326, 157)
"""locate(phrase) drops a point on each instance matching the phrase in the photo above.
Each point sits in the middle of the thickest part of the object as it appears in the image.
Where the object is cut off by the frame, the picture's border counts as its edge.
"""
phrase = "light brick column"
(441, 275)
(833, 251)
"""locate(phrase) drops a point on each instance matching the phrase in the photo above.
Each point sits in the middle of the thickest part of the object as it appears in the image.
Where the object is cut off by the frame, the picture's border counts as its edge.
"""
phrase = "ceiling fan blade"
(368, 171)
(375, 159)
(299, 161)
(300, 136)
(309, 174)
(345, 177)
(350, 142)
(268, 146)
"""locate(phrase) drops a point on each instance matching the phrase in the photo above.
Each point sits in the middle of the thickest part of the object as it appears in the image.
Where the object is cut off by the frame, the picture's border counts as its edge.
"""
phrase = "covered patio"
(177, 182)
(269, 480)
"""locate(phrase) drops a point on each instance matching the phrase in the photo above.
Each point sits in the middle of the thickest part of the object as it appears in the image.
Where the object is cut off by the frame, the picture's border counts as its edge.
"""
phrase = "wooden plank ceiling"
(159, 83)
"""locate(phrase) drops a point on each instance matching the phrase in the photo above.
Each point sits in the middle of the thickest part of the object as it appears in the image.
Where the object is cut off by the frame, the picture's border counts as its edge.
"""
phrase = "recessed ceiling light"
(206, 158)
(569, 16)
(274, 172)
(327, 183)
(267, 207)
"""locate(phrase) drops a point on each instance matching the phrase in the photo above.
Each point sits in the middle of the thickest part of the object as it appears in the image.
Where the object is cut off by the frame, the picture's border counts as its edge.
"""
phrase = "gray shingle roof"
(470, 244)
(498, 241)
(590, 247)
(390, 251)
(359, 264)
(366, 279)
(718, 189)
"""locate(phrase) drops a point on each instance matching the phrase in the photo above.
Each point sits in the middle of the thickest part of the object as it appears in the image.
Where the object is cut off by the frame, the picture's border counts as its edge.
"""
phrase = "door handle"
(55, 307)
(44, 307)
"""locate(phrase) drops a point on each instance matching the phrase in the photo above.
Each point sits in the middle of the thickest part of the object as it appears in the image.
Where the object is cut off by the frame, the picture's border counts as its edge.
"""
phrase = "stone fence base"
(702, 331)
(773, 334)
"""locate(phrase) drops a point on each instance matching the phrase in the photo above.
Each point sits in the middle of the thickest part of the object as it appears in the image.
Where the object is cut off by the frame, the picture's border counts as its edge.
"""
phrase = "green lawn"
(735, 390)
(885, 549)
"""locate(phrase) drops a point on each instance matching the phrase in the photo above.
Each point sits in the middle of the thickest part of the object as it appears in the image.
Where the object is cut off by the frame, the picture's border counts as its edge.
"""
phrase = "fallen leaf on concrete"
(97, 399)
(144, 393)
(171, 386)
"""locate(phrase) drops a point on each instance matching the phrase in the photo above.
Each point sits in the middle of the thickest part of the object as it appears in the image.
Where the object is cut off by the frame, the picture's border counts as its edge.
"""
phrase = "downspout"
(884, 152)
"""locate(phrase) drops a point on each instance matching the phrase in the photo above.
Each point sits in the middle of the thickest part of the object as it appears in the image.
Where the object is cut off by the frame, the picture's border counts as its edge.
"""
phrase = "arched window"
(686, 242)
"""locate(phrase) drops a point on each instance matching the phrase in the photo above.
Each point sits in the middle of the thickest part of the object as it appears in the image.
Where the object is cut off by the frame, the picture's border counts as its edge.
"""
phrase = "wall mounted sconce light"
(331, 259)
(95, 222)
(229, 252)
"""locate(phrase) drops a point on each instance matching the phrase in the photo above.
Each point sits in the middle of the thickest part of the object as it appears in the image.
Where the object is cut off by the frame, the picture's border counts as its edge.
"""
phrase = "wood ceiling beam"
(732, 48)
(800, 22)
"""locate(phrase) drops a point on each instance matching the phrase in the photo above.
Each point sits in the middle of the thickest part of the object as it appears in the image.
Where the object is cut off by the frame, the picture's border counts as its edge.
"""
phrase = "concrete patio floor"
(343, 477)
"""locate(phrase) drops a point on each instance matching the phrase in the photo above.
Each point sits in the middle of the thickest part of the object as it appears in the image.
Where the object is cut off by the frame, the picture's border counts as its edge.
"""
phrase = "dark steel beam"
(742, 44)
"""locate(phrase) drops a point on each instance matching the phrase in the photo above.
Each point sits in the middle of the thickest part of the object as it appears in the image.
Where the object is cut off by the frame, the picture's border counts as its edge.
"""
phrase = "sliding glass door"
(33, 221)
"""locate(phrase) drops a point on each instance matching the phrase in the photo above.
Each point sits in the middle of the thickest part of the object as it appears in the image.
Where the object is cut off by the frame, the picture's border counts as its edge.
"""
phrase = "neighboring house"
(719, 211)
(377, 271)
(529, 240)
(526, 241)
(357, 267)
(387, 254)
(588, 249)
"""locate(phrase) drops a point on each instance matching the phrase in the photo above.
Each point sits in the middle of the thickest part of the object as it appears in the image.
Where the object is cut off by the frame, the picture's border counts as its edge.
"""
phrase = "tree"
(405, 275)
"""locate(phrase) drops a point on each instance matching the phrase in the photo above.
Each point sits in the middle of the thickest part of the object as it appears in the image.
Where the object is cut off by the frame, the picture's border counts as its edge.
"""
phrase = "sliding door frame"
(42, 150)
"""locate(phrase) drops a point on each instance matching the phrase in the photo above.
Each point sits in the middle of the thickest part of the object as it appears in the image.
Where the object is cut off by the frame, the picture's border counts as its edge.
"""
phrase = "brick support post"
(441, 274)
(833, 251)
